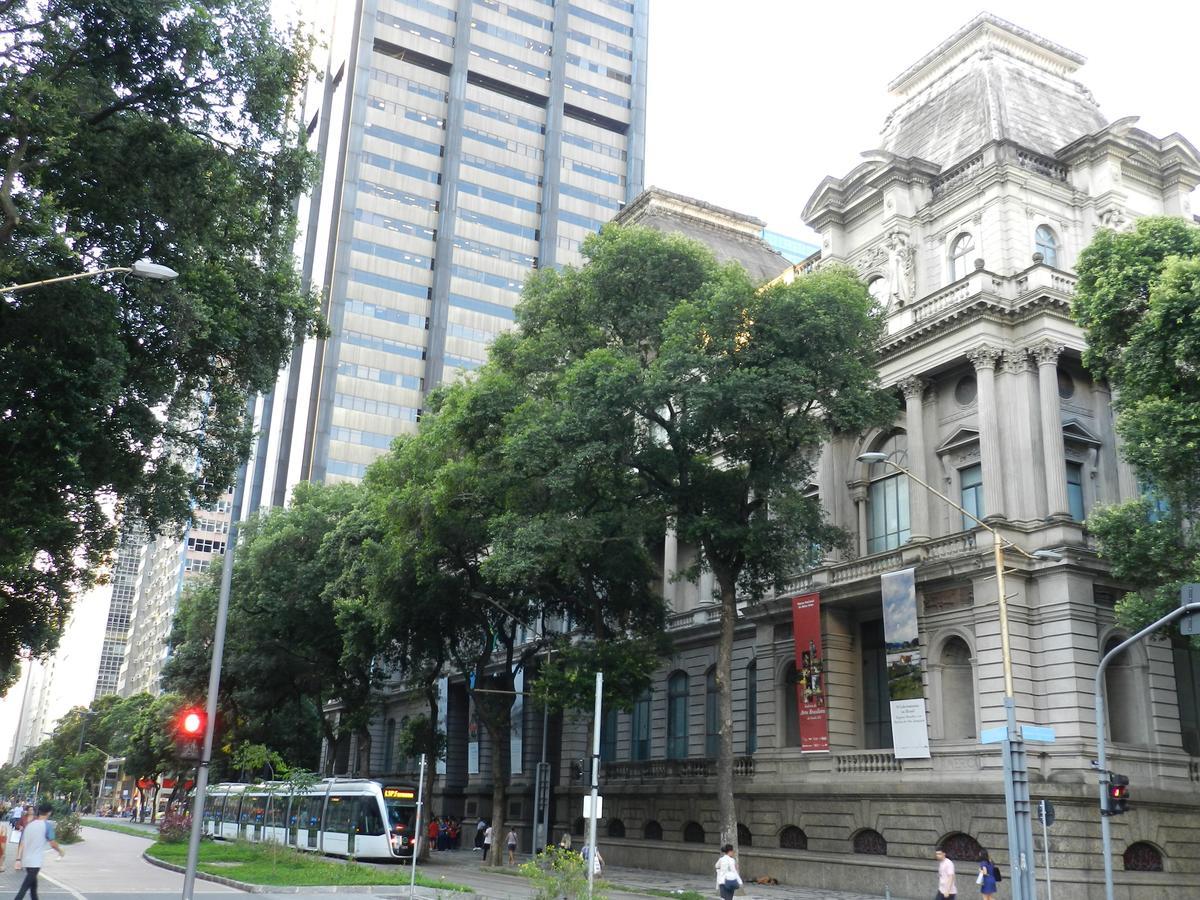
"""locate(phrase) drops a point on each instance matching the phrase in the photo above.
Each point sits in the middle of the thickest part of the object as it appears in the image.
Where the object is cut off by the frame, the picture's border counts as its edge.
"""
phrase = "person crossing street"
(37, 836)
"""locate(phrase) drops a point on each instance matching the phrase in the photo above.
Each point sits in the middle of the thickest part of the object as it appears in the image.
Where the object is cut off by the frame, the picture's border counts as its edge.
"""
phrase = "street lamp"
(143, 268)
(1016, 776)
(108, 757)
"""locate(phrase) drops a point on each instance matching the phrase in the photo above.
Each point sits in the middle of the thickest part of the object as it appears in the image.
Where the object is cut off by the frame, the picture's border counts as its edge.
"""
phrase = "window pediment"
(959, 440)
(1075, 433)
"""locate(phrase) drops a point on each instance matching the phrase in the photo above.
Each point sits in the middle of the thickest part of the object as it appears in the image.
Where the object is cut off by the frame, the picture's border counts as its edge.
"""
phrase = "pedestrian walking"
(432, 834)
(565, 843)
(947, 889)
(988, 875)
(487, 842)
(4, 828)
(728, 877)
(511, 840)
(593, 858)
(480, 828)
(37, 835)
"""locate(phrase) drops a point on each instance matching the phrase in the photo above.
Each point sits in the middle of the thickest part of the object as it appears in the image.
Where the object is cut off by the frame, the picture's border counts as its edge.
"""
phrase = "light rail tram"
(355, 817)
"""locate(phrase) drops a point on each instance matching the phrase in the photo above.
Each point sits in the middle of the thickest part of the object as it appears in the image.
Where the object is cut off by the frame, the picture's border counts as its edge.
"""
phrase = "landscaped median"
(273, 866)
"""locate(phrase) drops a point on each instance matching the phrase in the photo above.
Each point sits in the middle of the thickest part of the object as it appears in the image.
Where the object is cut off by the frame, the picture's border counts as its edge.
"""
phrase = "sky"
(750, 104)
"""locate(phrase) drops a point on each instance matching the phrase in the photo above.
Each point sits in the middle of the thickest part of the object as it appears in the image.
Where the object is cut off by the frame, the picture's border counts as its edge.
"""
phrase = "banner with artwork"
(810, 673)
(910, 732)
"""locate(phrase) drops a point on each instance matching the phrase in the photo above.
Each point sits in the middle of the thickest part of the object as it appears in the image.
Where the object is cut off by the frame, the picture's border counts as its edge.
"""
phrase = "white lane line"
(70, 890)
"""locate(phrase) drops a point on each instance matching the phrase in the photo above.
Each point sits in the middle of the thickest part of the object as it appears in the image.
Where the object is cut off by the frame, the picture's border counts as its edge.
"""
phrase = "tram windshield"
(401, 810)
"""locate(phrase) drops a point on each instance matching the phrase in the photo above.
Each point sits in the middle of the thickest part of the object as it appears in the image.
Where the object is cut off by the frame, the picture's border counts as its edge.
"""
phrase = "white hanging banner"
(516, 743)
(443, 693)
(910, 729)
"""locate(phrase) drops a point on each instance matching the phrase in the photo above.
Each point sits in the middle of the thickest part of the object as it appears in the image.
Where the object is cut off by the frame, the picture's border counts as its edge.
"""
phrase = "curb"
(422, 891)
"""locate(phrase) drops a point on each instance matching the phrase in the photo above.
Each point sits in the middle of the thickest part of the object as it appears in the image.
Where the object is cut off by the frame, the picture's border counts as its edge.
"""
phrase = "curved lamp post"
(1016, 779)
(143, 268)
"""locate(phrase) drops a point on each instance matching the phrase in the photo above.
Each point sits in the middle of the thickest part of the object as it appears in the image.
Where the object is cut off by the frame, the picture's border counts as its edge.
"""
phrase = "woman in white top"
(728, 879)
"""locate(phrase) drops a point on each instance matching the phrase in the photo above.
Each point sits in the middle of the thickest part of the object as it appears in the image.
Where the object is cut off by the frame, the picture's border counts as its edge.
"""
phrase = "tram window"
(309, 815)
(258, 808)
(339, 814)
(277, 810)
(402, 816)
(369, 819)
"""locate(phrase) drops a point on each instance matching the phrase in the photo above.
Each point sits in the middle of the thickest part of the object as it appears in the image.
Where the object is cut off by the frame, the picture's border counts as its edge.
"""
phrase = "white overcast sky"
(752, 102)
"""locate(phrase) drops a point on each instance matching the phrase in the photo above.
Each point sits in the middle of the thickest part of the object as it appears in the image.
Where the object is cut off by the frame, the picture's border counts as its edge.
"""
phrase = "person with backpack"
(989, 875)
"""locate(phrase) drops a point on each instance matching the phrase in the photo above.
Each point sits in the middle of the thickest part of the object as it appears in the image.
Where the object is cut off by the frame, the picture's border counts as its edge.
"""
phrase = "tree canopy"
(674, 383)
(157, 129)
(1138, 300)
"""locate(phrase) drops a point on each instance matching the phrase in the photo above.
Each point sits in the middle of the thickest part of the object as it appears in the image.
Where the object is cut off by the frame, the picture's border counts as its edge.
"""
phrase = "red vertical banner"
(810, 673)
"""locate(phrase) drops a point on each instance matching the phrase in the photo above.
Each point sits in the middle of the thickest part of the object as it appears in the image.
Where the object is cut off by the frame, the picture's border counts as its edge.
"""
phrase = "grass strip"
(271, 864)
(123, 829)
(675, 895)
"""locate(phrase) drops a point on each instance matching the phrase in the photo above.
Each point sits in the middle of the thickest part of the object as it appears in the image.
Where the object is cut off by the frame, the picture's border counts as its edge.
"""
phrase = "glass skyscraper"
(463, 143)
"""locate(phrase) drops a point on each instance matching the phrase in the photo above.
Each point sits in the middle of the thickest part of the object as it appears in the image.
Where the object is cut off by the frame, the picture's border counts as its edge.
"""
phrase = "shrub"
(66, 824)
(557, 873)
(174, 827)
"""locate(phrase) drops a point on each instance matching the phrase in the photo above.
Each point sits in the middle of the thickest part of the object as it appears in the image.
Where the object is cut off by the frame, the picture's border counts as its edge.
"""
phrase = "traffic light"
(1116, 800)
(189, 732)
(577, 770)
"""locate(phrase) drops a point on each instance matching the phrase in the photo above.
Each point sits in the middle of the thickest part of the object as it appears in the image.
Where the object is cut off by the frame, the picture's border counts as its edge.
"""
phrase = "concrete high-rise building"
(126, 574)
(464, 143)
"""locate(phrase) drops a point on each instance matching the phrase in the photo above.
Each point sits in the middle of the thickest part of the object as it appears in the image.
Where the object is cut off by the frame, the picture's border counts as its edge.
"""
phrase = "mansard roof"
(731, 236)
(989, 81)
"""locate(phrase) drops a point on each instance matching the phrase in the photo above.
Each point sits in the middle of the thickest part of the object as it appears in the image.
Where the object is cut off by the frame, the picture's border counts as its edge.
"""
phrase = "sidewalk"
(464, 866)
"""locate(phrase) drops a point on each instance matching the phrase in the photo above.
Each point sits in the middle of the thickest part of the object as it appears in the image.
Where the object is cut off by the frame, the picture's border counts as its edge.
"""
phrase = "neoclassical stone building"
(993, 171)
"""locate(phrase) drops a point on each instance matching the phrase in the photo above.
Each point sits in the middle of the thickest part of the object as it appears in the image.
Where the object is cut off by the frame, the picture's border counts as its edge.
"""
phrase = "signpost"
(1046, 817)
(1189, 594)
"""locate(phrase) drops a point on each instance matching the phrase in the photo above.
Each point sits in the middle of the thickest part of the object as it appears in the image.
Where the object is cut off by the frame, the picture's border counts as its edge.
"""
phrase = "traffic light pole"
(1101, 722)
(214, 681)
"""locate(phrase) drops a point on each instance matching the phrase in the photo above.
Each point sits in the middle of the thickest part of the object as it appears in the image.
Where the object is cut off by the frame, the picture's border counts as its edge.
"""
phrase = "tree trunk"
(499, 792)
(430, 764)
(726, 811)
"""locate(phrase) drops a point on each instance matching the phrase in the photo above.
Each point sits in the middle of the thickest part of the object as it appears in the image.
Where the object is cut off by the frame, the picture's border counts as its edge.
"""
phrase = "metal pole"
(1046, 847)
(1101, 728)
(214, 681)
(13, 288)
(416, 847)
(595, 851)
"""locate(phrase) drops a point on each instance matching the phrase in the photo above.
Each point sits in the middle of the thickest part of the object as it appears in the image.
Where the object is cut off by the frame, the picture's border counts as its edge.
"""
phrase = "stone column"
(984, 359)
(1127, 483)
(670, 567)
(858, 493)
(1057, 505)
(1021, 483)
(914, 423)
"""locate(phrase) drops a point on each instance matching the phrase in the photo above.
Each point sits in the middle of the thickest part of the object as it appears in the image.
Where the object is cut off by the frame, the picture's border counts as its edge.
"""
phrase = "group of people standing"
(444, 833)
(987, 877)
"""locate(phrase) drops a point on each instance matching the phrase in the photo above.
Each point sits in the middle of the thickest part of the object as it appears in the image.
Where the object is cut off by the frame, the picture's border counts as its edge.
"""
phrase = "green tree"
(715, 393)
(1138, 301)
(286, 655)
(159, 129)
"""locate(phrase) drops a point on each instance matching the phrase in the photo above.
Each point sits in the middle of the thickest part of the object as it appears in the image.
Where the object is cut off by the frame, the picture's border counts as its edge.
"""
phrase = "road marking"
(70, 890)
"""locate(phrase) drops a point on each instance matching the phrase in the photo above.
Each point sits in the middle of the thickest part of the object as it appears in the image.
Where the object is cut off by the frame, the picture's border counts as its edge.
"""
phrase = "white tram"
(339, 816)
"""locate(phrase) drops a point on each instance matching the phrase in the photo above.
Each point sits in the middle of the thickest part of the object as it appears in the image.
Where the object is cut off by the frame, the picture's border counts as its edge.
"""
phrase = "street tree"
(286, 655)
(159, 129)
(479, 556)
(714, 393)
(1138, 301)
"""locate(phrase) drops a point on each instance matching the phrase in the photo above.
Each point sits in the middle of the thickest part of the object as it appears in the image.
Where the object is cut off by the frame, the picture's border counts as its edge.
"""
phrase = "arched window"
(790, 706)
(887, 498)
(961, 251)
(793, 838)
(677, 716)
(640, 741)
(877, 287)
(693, 833)
(712, 727)
(958, 691)
(869, 843)
(389, 745)
(1143, 857)
(577, 827)
(960, 847)
(652, 831)
(1123, 698)
(752, 707)
(1046, 243)
(745, 838)
(616, 828)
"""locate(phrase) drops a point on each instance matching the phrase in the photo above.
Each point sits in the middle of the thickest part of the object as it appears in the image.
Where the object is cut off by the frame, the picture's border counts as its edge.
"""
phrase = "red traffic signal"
(191, 723)
(1117, 801)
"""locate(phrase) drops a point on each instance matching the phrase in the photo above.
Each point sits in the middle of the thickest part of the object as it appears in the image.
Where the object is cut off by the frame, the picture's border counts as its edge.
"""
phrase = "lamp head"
(1046, 554)
(144, 268)
(872, 457)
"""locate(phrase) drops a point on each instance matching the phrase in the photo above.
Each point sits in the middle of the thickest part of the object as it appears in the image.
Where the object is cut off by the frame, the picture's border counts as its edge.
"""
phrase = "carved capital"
(858, 491)
(913, 387)
(1014, 362)
(984, 357)
(1047, 353)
